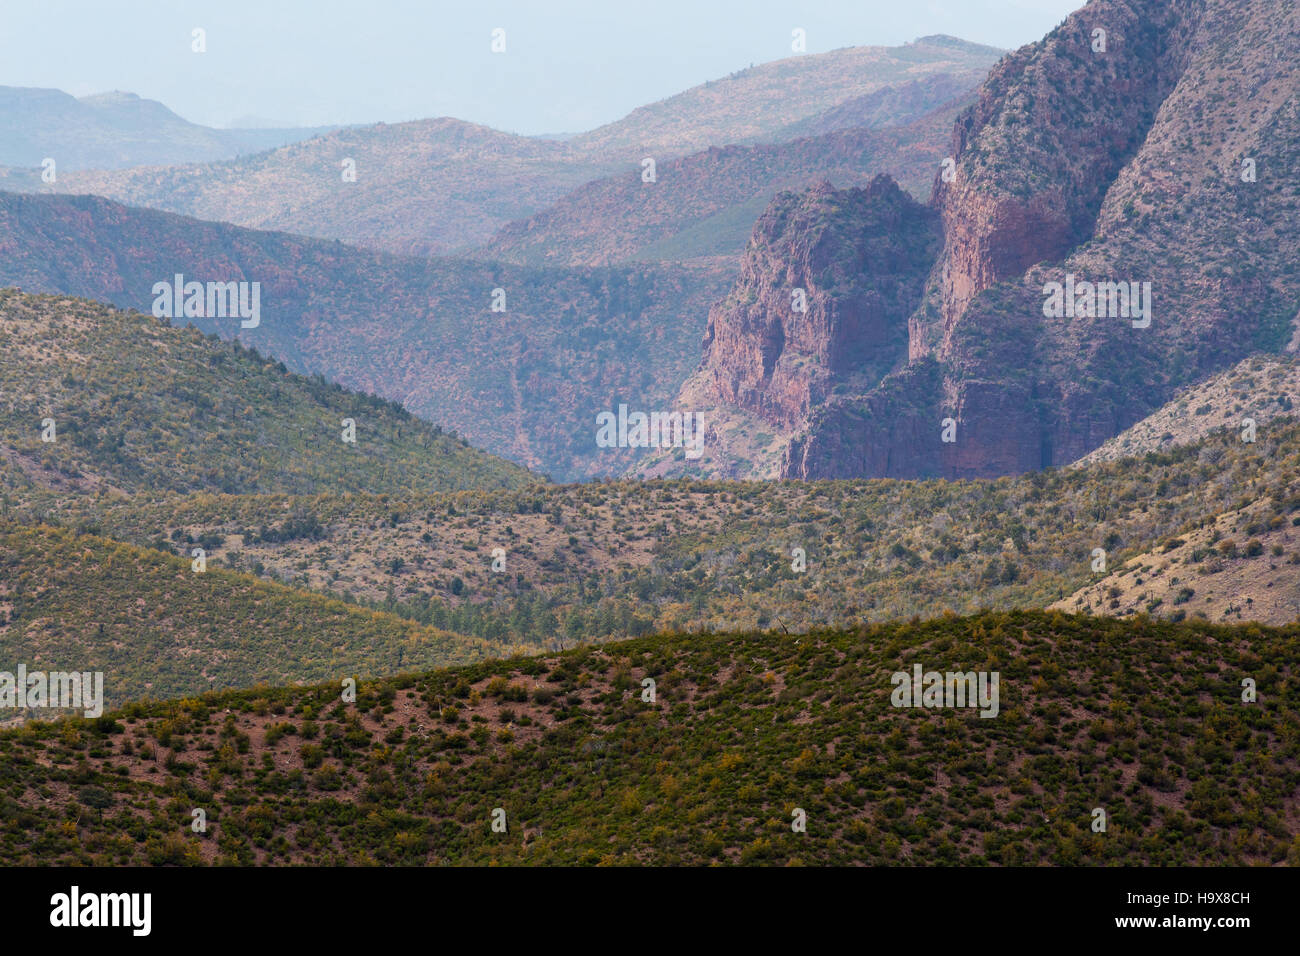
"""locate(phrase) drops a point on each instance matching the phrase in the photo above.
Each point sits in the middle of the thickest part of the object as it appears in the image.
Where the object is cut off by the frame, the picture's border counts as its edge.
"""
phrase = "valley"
(884, 455)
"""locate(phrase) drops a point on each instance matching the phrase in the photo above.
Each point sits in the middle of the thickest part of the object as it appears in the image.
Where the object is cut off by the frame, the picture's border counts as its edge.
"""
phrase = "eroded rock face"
(1054, 124)
(826, 285)
(887, 433)
(985, 241)
(1115, 158)
(910, 427)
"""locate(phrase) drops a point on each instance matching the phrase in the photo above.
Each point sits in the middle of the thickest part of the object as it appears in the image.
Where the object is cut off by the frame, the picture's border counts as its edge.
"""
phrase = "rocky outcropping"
(825, 289)
(1142, 141)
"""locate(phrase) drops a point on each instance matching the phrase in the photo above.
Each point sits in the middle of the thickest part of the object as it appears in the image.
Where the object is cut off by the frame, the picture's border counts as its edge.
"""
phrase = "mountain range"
(117, 130)
(443, 185)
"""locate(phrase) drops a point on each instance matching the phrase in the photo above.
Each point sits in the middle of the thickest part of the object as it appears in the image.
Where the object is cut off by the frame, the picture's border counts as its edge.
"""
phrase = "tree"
(96, 797)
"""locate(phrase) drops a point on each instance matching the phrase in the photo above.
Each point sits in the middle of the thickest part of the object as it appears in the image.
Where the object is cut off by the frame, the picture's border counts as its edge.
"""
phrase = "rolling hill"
(421, 188)
(591, 562)
(875, 85)
(139, 406)
(755, 749)
(705, 204)
(157, 628)
(525, 383)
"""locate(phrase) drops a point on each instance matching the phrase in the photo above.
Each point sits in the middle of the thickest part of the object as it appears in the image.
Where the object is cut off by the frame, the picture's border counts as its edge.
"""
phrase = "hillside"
(706, 203)
(766, 103)
(138, 405)
(1240, 565)
(421, 188)
(440, 186)
(1142, 720)
(116, 130)
(158, 629)
(604, 560)
(1157, 164)
(525, 383)
(1259, 388)
(891, 106)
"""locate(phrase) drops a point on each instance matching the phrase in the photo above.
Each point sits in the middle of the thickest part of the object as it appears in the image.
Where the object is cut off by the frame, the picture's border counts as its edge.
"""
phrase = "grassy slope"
(1240, 565)
(1140, 718)
(140, 406)
(159, 629)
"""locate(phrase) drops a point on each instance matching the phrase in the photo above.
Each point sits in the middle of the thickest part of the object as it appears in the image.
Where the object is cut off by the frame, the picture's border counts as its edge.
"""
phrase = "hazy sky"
(569, 65)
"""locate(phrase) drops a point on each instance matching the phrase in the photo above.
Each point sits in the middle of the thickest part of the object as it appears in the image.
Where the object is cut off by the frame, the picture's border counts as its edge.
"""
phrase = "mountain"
(745, 736)
(525, 383)
(705, 204)
(1151, 163)
(767, 103)
(820, 308)
(892, 106)
(157, 628)
(440, 186)
(139, 406)
(116, 130)
(420, 188)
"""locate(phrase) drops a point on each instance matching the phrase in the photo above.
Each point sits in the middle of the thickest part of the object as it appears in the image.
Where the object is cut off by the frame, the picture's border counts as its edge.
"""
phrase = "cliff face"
(825, 288)
(1054, 124)
(898, 431)
(1146, 143)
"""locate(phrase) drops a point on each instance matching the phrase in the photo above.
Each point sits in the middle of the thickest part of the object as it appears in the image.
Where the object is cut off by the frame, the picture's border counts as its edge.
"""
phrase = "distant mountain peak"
(111, 96)
(955, 43)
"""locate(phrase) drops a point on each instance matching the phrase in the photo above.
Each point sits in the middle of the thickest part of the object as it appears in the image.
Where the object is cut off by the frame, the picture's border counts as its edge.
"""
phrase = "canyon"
(1115, 164)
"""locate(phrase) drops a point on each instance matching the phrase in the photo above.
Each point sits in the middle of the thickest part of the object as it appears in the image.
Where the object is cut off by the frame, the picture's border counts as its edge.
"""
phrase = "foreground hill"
(1140, 720)
(596, 561)
(525, 383)
(157, 628)
(1148, 178)
(139, 405)
(438, 186)
(115, 130)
